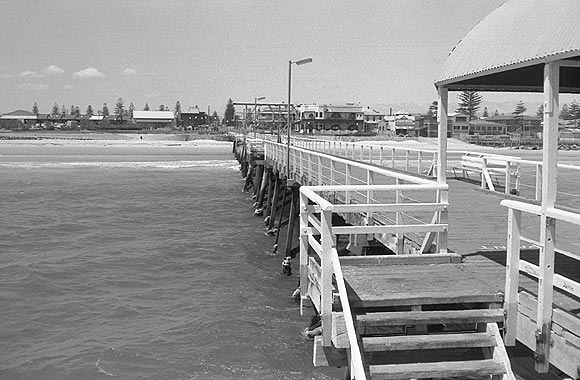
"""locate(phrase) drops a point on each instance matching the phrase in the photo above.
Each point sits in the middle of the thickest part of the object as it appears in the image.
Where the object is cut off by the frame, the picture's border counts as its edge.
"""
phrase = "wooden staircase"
(435, 344)
(422, 331)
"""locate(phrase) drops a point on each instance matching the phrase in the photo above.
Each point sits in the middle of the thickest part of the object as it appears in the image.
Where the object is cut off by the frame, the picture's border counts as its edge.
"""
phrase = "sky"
(382, 53)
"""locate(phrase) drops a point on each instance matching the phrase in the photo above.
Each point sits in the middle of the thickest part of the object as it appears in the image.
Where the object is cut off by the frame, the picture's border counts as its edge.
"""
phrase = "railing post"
(399, 221)
(508, 177)
(419, 161)
(319, 161)
(406, 160)
(393, 158)
(303, 251)
(371, 154)
(512, 275)
(327, 240)
(381, 156)
(539, 169)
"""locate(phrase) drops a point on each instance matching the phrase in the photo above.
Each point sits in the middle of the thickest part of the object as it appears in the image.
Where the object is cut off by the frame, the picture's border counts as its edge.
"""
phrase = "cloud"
(89, 72)
(33, 86)
(52, 70)
(129, 71)
(29, 74)
(69, 87)
(6, 75)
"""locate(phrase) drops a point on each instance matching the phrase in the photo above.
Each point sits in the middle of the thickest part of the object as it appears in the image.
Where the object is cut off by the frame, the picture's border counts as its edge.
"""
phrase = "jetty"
(431, 263)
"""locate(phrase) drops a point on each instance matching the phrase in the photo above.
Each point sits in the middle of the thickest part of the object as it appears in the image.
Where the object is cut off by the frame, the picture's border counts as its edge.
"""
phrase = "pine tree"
(77, 111)
(519, 115)
(485, 113)
(520, 108)
(55, 110)
(161, 107)
(574, 110)
(35, 108)
(146, 108)
(119, 107)
(131, 109)
(105, 110)
(72, 110)
(469, 102)
(177, 108)
(63, 112)
(230, 112)
(89, 110)
(564, 112)
(433, 109)
(540, 111)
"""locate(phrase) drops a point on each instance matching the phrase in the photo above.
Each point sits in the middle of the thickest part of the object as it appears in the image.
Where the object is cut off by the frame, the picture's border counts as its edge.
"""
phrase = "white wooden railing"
(550, 217)
(419, 199)
(318, 235)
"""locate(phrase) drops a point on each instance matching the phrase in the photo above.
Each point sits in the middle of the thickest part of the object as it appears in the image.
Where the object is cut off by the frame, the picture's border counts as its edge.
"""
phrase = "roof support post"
(547, 224)
(442, 195)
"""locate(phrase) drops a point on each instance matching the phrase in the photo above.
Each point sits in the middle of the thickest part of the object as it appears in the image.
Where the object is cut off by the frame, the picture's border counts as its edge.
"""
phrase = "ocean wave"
(163, 165)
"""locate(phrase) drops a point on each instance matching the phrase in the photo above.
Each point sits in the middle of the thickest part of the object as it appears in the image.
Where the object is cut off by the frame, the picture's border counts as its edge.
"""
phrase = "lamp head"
(303, 61)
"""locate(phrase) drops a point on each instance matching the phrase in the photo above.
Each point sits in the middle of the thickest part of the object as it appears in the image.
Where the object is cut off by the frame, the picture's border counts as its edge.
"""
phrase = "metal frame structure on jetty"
(434, 307)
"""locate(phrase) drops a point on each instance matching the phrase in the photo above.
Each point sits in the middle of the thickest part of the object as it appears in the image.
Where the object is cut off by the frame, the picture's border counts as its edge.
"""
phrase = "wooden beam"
(547, 224)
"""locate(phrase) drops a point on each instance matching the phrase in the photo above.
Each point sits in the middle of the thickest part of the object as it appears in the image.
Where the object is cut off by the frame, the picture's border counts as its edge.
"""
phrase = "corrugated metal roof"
(150, 115)
(518, 34)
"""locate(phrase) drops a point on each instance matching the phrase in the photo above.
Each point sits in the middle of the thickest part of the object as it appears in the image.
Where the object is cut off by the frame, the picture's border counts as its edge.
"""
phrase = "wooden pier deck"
(443, 311)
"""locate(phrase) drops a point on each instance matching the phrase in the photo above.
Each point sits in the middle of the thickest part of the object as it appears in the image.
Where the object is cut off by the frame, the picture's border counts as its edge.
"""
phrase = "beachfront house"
(192, 119)
(151, 120)
(17, 120)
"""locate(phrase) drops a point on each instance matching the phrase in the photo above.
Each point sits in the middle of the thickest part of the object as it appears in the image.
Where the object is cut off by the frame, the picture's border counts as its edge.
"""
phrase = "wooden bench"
(490, 168)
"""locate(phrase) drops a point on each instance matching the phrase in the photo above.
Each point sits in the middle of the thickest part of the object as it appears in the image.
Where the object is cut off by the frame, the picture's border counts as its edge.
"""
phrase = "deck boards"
(374, 286)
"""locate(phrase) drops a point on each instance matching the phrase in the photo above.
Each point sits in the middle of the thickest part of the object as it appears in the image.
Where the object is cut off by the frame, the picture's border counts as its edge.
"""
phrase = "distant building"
(193, 118)
(18, 119)
(486, 127)
(402, 123)
(154, 119)
(522, 125)
(331, 119)
(373, 120)
(458, 125)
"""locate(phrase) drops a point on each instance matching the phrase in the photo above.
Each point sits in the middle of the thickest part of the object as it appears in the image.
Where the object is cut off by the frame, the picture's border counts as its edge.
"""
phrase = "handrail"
(548, 280)
(271, 153)
(356, 362)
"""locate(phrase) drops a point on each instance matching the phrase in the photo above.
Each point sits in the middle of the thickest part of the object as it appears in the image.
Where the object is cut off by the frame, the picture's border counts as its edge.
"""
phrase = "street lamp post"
(297, 63)
(255, 112)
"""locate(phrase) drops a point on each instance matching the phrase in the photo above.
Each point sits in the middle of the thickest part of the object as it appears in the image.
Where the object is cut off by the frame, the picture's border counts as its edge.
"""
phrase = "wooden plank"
(328, 356)
(430, 317)
(431, 258)
(528, 307)
(563, 355)
(404, 228)
(339, 334)
(500, 353)
(474, 368)
(398, 285)
(560, 282)
(427, 342)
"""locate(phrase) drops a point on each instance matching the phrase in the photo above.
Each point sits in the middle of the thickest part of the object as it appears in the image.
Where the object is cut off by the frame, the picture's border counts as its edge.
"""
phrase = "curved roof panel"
(506, 50)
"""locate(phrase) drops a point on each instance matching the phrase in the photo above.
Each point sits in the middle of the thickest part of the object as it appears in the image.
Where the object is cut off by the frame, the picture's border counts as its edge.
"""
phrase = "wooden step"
(403, 318)
(427, 342)
(474, 368)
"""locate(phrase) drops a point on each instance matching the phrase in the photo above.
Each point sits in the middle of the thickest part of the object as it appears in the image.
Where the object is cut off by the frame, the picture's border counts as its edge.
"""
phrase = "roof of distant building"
(19, 114)
(153, 115)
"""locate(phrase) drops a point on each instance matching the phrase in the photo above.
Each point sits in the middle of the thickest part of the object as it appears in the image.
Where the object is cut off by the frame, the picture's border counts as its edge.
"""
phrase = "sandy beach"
(107, 143)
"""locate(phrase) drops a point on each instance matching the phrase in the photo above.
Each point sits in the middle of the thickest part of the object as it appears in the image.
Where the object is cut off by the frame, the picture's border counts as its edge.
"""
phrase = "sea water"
(141, 266)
